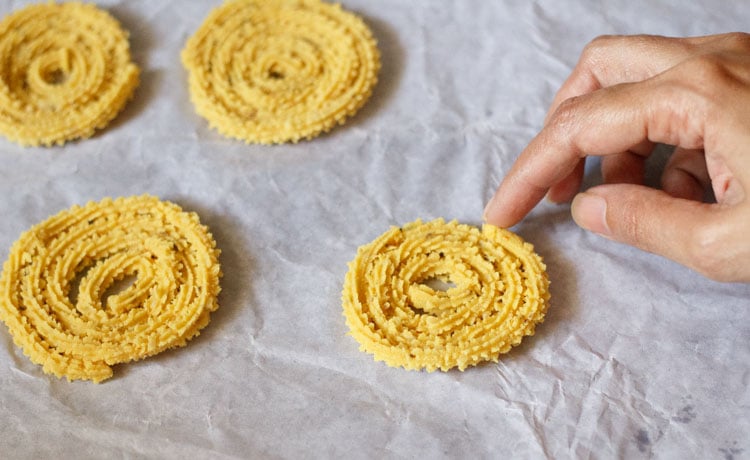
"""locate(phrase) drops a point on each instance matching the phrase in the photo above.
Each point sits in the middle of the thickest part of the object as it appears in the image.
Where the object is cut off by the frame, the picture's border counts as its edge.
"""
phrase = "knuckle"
(601, 42)
(599, 47)
(682, 101)
(737, 41)
(566, 115)
(567, 110)
(604, 45)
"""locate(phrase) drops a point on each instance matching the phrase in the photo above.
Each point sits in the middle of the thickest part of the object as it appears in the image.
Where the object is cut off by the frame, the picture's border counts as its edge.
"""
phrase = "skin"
(626, 94)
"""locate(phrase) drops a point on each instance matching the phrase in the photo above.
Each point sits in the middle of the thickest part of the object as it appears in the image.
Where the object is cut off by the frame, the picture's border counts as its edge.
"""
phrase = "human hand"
(626, 94)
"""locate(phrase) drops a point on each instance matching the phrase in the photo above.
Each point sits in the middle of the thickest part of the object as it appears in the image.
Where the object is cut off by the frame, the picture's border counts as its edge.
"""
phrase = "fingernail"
(590, 212)
(488, 208)
(550, 199)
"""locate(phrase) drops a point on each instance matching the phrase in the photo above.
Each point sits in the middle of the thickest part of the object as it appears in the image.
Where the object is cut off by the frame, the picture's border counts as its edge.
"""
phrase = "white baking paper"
(638, 357)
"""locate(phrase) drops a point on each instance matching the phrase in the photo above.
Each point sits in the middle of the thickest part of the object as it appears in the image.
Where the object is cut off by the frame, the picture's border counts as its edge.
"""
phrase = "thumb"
(698, 235)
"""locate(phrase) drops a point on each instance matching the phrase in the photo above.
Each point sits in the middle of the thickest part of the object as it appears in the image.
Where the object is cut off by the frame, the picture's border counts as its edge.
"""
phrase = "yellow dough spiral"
(274, 71)
(496, 292)
(66, 72)
(57, 288)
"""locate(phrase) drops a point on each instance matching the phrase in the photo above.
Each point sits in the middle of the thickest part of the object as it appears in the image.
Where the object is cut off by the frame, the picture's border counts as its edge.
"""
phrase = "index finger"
(605, 122)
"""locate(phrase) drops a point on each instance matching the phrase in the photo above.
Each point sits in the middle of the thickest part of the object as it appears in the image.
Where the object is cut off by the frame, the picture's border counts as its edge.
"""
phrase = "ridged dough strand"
(66, 72)
(439, 295)
(58, 293)
(274, 71)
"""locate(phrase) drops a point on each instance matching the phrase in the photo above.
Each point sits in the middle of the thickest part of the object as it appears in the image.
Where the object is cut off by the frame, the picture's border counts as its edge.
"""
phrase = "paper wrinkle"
(595, 404)
(265, 359)
(638, 357)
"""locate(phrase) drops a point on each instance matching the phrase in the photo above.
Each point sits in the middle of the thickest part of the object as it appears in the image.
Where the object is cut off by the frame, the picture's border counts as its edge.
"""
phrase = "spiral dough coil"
(441, 295)
(274, 71)
(57, 293)
(66, 72)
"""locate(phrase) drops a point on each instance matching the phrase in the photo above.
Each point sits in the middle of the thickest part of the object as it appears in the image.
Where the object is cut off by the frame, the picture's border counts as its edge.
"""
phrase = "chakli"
(440, 295)
(274, 71)
(66, 72)
(56, 288)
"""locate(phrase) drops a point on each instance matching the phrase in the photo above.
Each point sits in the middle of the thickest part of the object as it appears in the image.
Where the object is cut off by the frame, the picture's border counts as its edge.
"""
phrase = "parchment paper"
(638, 357)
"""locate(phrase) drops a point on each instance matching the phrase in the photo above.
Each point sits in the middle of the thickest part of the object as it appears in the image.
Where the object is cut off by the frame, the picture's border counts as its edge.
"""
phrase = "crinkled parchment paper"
(638, 357)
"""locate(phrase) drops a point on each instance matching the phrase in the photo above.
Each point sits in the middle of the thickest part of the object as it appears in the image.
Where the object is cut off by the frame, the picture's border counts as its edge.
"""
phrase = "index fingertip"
(493, 214)
(499, 214)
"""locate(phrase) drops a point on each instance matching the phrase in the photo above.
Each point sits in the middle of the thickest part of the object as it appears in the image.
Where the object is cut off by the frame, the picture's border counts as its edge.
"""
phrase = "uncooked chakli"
(58, 293)
(66, 72)
(440, 295)
(273, 71)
